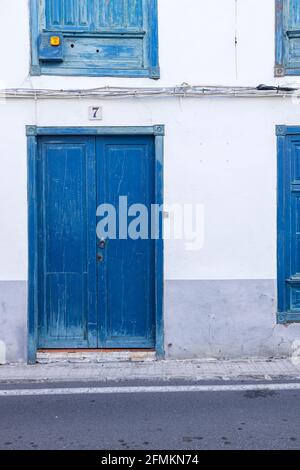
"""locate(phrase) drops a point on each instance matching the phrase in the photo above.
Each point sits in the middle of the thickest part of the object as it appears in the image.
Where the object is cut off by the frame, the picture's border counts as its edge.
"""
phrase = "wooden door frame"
(33, 133)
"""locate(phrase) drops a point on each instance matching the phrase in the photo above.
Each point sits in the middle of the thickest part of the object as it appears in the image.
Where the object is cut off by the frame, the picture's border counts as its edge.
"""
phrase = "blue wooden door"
(94, 293)
(67, 264)
(125, 169)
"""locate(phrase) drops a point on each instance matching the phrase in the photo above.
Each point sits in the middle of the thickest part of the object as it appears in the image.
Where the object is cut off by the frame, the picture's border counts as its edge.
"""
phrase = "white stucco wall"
(219, 152)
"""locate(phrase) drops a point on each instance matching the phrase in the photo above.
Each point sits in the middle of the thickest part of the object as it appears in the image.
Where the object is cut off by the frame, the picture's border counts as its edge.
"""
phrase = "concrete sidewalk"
(192, 370)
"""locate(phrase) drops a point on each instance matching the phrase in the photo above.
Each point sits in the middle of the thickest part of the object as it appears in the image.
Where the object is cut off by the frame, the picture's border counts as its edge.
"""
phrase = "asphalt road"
(227, 420)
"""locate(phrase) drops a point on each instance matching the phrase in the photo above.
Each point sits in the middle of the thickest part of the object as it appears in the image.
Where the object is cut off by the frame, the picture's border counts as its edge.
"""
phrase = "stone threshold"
(94, 356)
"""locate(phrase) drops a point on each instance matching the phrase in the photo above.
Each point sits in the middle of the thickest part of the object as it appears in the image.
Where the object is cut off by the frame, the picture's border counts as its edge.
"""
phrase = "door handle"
(100, 258)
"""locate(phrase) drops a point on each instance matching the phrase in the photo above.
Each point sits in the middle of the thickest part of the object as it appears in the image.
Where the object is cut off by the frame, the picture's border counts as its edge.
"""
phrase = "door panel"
(94, 15)
(126, 169)
(67, 279)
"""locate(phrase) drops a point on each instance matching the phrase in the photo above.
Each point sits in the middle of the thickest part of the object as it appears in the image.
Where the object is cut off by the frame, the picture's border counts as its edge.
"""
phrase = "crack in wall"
(236, 39)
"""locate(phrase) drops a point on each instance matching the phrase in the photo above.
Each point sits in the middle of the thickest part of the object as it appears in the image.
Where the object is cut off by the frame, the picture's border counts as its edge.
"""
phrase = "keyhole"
(72, 45)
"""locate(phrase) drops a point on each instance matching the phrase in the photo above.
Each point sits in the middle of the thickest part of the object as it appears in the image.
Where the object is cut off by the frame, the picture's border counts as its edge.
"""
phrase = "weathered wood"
(99, 37)
(288, 224)
(287, 37)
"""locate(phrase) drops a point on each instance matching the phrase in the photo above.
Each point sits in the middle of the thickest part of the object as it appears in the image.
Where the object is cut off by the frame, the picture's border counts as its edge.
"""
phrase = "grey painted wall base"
(203, 319)
(225, 320)
(13, 321)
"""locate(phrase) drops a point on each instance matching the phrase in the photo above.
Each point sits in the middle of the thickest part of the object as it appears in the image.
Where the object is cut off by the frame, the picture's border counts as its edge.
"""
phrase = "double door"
(96, 281)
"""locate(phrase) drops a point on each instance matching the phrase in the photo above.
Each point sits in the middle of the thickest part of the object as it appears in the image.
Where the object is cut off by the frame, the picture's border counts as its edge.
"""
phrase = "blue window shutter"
(98, 37)
(288, 224)
(287, 37)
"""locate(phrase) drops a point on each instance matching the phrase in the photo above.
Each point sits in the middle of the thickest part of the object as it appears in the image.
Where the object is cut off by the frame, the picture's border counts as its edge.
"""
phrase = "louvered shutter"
(99, 37)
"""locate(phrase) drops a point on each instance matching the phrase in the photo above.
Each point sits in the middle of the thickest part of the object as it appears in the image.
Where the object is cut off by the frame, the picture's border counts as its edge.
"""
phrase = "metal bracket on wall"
(279, 71)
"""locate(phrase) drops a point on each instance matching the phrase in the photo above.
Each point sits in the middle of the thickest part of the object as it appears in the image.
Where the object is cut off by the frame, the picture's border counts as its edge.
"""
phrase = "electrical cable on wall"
(183, 91)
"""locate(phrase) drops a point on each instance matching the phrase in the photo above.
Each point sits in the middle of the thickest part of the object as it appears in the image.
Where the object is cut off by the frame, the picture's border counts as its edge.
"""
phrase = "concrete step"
(141, 368)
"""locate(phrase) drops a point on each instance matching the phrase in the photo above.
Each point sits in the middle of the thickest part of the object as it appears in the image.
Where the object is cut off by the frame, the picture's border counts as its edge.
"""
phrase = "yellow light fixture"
(55, 41)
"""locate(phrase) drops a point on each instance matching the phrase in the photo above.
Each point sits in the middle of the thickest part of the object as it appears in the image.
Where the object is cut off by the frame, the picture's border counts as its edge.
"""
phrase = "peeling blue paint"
(99, 37)
(287, 37)
(288, 224)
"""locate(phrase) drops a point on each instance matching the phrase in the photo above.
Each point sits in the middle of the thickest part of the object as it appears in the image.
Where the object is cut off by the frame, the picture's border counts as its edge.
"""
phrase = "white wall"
(220, 152)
